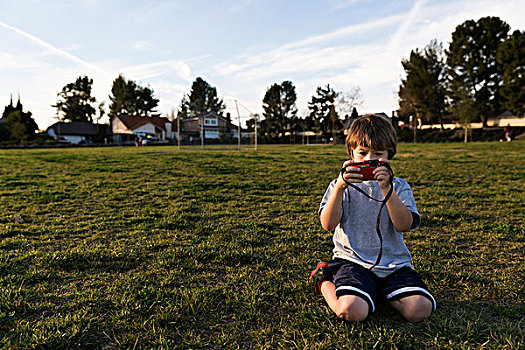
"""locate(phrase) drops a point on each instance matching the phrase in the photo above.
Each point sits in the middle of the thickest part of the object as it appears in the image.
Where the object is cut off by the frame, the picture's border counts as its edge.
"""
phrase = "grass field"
(151, 247)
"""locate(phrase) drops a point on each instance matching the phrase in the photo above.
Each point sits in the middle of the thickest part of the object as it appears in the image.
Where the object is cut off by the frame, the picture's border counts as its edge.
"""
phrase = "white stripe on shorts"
(360, 292)
(412, 289)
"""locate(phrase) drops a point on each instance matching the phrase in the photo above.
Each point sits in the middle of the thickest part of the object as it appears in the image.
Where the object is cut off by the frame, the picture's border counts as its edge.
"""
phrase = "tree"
(471, 60)
(354, 114)
(202, 98)
(466, 109)
(75, 101)
(127, 97)
(424, 85)
(347, 101)
(279, 107)
(322, 108)
(17, 125)
(511, 58)
(5, 133)
(407, 105)
(407, 109)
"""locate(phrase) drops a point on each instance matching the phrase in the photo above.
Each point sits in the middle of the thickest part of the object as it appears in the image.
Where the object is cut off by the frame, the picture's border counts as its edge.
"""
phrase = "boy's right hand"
(351, 175)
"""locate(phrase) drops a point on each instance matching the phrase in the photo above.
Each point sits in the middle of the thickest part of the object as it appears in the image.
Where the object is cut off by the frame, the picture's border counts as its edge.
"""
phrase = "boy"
(370, 262)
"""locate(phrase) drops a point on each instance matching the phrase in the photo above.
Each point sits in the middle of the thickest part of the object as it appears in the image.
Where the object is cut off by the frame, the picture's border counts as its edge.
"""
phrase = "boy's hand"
(351, 175)
(383, 175)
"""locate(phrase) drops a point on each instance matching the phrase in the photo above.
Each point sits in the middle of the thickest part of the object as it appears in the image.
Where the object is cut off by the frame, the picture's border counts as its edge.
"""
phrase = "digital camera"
(367, 167)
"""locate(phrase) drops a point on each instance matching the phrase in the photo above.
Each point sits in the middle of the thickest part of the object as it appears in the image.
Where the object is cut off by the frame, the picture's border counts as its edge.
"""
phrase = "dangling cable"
(383, 203)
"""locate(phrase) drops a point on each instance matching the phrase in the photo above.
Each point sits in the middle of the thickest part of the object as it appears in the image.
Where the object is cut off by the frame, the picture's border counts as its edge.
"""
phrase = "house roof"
(507, 114)
(75, 128)
(133, 122)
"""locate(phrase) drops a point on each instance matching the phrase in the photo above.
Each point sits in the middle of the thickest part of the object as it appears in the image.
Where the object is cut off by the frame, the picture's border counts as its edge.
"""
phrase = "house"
(126, 128)
(215, 126)
(505, 118)
(77, 132)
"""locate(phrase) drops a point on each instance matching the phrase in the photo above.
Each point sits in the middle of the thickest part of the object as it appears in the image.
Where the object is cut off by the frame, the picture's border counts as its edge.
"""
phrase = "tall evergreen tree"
(322, 108)
(471, 60)
(425, 82)
(127, 97)
(17, 125)
(202, 98)
(279, 107)
(354, 114)
(10, 108)
(407, 105)
(511, 58)
(75, 101)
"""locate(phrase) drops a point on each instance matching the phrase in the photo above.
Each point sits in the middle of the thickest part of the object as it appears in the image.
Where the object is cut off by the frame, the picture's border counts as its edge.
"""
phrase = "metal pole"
(255, 120)
(178, 130)
(202, 132)
(239, 128)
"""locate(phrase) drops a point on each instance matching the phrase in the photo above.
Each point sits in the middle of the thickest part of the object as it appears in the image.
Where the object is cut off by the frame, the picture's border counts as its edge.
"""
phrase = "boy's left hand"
(383, 175)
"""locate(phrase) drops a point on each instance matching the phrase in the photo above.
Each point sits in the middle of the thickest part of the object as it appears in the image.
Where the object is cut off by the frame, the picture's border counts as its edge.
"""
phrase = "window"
(210, 121)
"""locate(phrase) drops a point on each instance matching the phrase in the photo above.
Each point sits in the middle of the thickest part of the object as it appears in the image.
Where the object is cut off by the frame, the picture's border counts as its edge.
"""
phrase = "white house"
(126, 128)
(214, 125)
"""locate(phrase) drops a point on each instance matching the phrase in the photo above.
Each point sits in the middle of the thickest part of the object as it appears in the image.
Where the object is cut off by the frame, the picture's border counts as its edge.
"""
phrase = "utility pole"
(239, 128)
(202, 131)
(178, 129)
(255, 117)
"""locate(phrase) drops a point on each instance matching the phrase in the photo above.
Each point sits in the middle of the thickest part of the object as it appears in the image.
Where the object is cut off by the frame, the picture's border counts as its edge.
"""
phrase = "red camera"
(367, 167)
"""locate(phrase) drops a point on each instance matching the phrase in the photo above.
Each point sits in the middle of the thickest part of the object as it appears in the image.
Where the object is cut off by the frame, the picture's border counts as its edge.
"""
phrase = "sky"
(241, 47)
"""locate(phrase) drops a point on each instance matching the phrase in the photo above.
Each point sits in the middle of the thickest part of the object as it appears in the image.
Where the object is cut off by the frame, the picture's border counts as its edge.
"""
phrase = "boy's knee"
(417, 310)
(352, 310)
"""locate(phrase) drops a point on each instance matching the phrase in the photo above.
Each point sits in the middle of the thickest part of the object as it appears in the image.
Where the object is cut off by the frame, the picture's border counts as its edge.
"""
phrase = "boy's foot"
(320, 275)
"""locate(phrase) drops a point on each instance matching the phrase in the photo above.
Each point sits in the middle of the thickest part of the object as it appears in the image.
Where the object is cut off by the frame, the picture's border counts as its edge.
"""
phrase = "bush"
(456, 135)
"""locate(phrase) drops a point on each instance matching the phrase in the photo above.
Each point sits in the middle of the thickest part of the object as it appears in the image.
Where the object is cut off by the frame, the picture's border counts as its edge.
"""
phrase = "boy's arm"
(400, 215)
(331, 212)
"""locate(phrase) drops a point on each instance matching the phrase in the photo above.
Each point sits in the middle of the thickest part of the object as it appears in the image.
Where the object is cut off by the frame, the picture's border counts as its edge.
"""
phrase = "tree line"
(480, 75)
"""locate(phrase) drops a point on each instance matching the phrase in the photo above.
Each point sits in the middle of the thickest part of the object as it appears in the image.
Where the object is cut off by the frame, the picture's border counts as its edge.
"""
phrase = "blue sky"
(239, 46)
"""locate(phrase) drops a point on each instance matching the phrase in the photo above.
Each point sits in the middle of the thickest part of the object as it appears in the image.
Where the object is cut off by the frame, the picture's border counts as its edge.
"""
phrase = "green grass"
(157, 248)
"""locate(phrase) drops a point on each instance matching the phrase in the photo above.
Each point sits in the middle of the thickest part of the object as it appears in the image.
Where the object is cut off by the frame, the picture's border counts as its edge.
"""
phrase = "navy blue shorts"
(353, 279)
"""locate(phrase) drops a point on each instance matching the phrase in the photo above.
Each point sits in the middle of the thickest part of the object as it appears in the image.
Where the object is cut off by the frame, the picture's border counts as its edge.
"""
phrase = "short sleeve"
(327, 195)
(407, 198)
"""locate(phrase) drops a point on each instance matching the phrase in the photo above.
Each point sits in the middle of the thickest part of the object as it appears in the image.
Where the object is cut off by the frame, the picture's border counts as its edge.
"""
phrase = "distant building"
(350, 120)
(77, 132)
(127, 128)
(215, 126)
(505, 118)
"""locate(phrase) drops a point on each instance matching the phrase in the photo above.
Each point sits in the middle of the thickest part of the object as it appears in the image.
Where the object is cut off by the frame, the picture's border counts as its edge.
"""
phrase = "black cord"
(383, 203)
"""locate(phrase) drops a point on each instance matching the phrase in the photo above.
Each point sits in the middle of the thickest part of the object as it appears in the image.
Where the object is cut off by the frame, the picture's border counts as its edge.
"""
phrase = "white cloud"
(239, 5)
(54, 49)
(407, 22)
(147, 71)
(139, 45)
(337, 5)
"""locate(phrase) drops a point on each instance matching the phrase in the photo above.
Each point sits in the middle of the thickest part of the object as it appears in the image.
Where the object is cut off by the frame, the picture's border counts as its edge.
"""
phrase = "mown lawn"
(152, 247)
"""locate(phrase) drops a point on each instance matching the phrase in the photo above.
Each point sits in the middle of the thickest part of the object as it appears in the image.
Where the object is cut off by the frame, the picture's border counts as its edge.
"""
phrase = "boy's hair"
(372, 131)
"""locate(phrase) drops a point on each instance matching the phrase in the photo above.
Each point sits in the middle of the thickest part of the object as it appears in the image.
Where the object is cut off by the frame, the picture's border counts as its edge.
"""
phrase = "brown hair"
(372, 131)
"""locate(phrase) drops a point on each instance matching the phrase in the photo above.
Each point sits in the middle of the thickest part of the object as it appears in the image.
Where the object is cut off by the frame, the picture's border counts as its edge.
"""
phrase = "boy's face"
(360, 154)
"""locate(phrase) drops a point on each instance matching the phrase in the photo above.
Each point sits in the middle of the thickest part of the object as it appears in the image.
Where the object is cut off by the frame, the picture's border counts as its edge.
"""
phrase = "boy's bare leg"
(414, 308)
(328, 292)
(348, 307)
